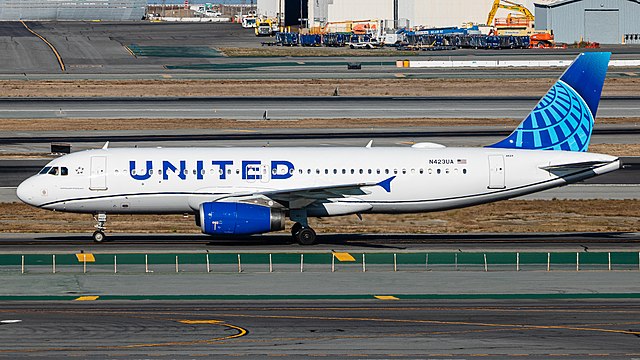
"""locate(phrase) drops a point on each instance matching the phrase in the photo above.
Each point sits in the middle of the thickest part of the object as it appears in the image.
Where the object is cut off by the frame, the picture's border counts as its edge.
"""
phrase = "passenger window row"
(318, 171)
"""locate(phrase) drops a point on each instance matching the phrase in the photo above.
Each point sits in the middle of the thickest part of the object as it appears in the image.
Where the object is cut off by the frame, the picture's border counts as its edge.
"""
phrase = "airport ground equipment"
(310, 40)
(287, 39)
(265, 27)
(335, 39)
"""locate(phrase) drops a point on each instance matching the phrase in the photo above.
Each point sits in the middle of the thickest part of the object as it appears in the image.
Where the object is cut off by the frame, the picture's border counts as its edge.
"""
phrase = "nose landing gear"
(98, 235)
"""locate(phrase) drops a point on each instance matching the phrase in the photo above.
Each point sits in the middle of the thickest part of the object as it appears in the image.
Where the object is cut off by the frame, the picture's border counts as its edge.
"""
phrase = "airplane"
(252, 190)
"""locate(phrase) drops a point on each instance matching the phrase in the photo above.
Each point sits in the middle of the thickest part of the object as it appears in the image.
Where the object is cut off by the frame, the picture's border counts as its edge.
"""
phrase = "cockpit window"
(54, 170)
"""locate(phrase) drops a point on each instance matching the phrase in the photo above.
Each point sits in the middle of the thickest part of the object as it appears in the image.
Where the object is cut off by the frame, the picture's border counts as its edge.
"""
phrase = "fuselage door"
(496, 172)
(98, 178)
(265, 173)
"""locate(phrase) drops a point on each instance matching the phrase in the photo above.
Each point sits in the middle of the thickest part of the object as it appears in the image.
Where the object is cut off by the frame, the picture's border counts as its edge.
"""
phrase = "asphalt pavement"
(369, 329)
(48, 243)
(291, 108)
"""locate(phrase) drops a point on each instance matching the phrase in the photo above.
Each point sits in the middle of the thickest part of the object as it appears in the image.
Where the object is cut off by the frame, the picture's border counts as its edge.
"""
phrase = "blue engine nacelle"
(230, 218)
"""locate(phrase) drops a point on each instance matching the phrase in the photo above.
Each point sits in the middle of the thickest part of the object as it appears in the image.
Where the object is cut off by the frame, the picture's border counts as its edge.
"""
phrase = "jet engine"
(230, 218)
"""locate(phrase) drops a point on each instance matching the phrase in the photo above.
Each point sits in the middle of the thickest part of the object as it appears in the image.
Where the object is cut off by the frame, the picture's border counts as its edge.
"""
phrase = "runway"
(119, 242)
(292, 108)
(434, 329)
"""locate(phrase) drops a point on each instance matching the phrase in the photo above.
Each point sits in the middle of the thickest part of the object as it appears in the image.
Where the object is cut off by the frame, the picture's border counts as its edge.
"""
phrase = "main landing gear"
(301, 232)
(98, 235)
(304, 235)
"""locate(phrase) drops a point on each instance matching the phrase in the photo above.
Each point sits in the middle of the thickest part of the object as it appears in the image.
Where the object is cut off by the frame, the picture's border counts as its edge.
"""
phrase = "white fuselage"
(178, 180)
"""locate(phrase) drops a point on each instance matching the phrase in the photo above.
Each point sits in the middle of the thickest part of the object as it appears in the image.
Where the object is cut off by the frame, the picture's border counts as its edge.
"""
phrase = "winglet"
(386, 184)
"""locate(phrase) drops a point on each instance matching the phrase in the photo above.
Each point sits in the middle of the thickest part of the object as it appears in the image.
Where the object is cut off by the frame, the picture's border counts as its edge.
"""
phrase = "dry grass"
(616, 149)
(354, 87)
(506, 216)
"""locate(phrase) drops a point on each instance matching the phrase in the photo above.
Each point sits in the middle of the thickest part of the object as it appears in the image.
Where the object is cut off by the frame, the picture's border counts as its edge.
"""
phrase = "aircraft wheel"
(306, 236)
(99, 236)
(295, 229)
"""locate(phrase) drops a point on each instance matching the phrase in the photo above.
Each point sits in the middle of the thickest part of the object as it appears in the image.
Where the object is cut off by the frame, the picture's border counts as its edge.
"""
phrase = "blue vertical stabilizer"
(564, 117)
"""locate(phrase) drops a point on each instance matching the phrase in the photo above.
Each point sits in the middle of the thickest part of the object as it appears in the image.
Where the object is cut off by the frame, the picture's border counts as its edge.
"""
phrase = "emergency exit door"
(496, 172)
(98, 178)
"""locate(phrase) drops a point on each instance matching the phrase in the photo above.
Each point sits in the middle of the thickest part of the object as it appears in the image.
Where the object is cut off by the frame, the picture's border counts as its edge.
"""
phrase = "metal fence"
(71, 10)
(318, 262)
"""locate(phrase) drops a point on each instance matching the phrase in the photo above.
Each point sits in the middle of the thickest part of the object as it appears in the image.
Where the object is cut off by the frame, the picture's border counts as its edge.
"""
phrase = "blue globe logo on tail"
(564, 117)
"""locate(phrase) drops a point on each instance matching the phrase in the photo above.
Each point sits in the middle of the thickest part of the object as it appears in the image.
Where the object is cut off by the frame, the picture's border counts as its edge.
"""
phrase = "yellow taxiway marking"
(86, 257)
(199, 322)
(167, 76)
(400, 75)
(130, 51)
(386, 297)
(439, 322)
(53, 48)
(240, 332)
(87, 298)
(343, 256)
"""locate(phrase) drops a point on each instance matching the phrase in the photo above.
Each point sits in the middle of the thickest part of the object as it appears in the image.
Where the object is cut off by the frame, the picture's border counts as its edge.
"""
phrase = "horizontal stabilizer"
(574, 166)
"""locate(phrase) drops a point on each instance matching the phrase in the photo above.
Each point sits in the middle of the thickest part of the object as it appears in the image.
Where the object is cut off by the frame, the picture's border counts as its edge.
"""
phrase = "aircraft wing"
(301, 197)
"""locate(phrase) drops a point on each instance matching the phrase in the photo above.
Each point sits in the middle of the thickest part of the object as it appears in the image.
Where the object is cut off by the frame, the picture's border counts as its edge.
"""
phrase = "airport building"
(602, 21)
(292, 10)
(72, 10)
(430, 13)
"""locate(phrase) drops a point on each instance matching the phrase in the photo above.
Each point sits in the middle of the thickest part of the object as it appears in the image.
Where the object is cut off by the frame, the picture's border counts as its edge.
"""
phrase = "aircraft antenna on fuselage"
(106, 146)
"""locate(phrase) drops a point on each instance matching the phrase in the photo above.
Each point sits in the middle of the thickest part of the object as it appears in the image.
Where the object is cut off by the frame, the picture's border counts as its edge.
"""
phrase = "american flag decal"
(462, 161)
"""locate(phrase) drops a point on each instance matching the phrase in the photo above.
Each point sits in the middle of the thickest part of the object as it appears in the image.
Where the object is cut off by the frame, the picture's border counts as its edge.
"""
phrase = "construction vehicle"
(518, 25)
(541, 40)
(508, 5)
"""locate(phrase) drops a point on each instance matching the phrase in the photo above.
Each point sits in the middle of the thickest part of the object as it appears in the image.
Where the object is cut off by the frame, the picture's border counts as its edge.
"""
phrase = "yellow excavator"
(508, 5)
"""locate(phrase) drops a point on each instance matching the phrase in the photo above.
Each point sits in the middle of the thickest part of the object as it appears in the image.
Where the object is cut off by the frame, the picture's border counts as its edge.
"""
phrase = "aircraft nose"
(25, 191)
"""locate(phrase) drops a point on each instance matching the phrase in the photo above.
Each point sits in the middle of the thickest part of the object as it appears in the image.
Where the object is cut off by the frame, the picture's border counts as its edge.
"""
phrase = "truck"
(265, 27)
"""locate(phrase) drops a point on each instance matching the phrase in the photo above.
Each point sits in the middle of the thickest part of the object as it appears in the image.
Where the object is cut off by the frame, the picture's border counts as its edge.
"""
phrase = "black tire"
(99, 236)
(306, 236)
(295, 228)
